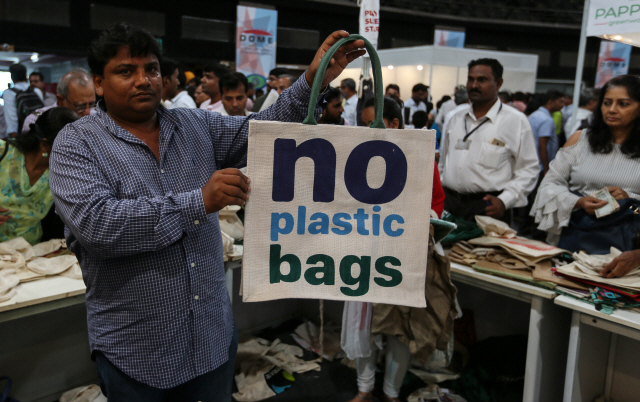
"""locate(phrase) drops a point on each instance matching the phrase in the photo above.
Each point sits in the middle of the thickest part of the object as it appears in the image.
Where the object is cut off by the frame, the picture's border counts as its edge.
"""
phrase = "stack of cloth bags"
(606, 293)
(21, 262)
(501, 252)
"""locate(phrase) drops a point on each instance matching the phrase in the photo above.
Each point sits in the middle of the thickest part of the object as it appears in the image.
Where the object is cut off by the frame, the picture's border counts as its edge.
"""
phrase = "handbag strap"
(377, 80)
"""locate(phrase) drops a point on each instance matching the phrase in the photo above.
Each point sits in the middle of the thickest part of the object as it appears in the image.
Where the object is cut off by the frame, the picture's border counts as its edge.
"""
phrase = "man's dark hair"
(18, 72)
(220, 70)
(392, 86)
(182, 79)
(495, 65)
(278, 71)
(551, 95)
(444, 99)
(39, 74)
(105, 47)
(349, 83)
(519, 96)
(505, 96)
(587, 95)
(233, 81)
(599, 134)
(391, 109)
(419, 88)
(332, 94)
(420, 119)
(167, 67)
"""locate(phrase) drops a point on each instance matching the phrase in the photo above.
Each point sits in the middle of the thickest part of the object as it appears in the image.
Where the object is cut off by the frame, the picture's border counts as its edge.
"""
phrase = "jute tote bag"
(335, 212)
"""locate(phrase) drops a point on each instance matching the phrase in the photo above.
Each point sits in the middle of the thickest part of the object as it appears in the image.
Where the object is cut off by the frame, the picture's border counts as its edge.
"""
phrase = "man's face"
(391, 92)
(271, 82)
(234, 100)
(200, 95)
(131, 86)
(343, 90)
(170, 85)
(209, 84)
(419, 96)
(36, 82)
(334, 110)
(80, 99)
(282, 84)
(556, 105)
(481, 85)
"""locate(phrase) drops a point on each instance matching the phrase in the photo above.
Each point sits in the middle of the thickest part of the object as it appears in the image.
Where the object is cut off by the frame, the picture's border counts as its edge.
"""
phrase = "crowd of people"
(125, 193)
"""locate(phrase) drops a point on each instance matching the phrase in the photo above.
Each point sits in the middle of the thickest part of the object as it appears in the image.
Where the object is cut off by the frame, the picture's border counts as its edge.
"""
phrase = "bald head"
(77, 92)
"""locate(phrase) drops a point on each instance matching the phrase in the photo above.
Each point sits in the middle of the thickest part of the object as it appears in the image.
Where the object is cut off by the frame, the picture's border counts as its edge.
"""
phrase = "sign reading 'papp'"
(338, 213)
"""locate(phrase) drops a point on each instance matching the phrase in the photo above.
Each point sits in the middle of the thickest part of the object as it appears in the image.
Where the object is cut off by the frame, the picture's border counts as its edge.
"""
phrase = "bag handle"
(377, 80)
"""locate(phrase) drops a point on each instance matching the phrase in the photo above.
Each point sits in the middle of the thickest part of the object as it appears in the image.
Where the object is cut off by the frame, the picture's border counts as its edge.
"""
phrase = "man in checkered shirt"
(138, 187)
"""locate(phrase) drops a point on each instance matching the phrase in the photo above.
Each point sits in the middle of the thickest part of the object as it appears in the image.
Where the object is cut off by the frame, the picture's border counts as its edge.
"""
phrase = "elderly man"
(138, 187)
(75, 92)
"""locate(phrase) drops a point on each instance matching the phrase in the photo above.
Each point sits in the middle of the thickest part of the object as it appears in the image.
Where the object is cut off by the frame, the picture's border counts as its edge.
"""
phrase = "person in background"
(192, 85)
(607, 154)
(200, 96)
(418, 100)
(36, 80)
(397, 354)
(283, 82)
(420, 119)
(75, 92)
(251, 92)
(272, 81)
(19, 78)
(446, 107)
(505, 97)
(461, 99)
(348, 89)
(233, 88)
(173, 86)
(586, 105)
(24, 177)
(544, 128)
(210, 86)
(332, 108)
(519, 101)
(488, 159)
(567, 111)
(392, 90)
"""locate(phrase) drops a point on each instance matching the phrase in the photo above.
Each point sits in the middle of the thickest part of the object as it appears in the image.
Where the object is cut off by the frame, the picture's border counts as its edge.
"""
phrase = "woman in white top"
(607, 154)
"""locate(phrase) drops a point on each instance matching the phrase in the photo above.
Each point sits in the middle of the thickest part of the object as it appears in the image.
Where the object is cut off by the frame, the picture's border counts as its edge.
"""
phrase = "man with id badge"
(488, 160)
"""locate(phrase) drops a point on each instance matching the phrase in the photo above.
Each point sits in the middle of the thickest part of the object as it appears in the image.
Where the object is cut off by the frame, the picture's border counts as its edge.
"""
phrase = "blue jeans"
(214, 386)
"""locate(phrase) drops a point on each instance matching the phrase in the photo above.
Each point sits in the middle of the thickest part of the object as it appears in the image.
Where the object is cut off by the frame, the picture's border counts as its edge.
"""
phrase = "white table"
(604, 353)
(548, 330)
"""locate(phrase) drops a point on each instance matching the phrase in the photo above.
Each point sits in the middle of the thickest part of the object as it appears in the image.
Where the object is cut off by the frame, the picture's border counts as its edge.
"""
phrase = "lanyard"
(477, 127)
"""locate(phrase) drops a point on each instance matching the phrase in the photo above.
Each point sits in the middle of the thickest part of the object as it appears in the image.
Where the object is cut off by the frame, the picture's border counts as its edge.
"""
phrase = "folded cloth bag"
(494, 228)
(17, 245)
(52, 266)
(47, 247)
(89, 393)
(8, 282)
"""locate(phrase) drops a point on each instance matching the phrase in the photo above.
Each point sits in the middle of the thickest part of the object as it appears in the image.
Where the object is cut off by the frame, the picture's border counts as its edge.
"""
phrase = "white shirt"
(10, 110)
(411, 104)
(48, 99)
(449, 115)
(512, 169)
(216, 107)
(581, 114)
(182, 99)
(350, 109)
(445, 108)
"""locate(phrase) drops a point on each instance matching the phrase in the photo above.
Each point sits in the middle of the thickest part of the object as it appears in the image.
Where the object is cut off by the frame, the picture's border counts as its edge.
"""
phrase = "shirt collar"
(167, 124)
(352, 98)
(492, 114)
(544, 110)
(178, 96)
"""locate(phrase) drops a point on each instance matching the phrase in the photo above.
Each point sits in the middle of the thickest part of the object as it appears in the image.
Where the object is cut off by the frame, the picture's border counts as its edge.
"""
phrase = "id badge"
(464, 145)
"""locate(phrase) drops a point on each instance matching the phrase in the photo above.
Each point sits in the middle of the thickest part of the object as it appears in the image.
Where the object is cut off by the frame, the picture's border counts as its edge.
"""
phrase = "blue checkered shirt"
(151, 257)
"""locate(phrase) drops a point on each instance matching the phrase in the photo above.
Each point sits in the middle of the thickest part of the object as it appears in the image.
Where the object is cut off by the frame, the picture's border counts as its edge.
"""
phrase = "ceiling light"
(419, 68)
(34, 57)
(390, 67)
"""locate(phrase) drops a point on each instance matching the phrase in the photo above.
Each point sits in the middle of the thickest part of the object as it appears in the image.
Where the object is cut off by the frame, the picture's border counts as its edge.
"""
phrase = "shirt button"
(193, 264)
(161, 170)
(196, 222)
(196, 297)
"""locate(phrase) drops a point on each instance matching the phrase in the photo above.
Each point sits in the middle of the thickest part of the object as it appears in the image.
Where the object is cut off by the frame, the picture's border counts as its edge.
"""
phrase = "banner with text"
(256, 31)
(610, 17)
(370, 20)
(338, 213)
(613, 61)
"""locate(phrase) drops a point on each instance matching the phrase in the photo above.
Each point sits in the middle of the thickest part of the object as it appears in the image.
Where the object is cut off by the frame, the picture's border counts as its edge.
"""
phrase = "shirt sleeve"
(109, 226)
(554, 201)
(230, 133)
(525, 171)
(547, 128)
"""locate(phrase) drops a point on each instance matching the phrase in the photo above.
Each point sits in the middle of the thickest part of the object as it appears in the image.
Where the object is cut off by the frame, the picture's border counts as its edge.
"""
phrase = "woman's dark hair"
(390, 111)
(103, 49)
(600, 137)
(46, 128)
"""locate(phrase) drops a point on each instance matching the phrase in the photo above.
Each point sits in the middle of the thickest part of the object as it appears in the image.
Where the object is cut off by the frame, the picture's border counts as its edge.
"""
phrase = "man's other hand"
(345, 55)
(225, 187)
(496, 207)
